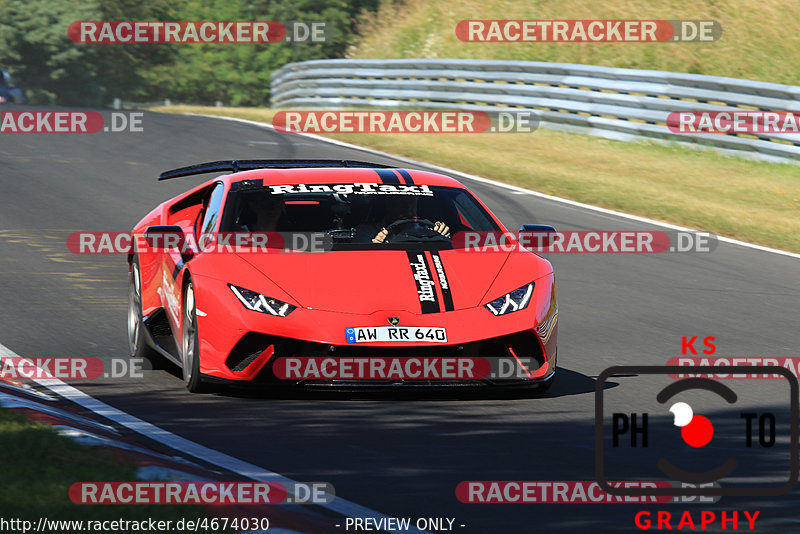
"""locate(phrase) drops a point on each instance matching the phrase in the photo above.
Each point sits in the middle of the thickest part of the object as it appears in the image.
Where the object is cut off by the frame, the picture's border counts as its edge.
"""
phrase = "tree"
(34, 46)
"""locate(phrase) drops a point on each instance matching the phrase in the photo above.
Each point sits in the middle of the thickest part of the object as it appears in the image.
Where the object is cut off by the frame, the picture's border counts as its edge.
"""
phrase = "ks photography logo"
(737, 440)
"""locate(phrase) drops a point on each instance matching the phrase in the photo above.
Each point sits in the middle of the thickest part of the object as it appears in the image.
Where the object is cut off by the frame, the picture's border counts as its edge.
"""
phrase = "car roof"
(345, 175)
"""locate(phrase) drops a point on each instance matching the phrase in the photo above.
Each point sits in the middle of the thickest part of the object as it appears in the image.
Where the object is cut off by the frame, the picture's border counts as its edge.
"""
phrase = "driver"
(264, 213)
(403, 207)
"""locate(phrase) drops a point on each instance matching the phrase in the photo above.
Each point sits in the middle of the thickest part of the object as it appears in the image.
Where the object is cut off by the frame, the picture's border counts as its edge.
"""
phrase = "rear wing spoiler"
(250, 164)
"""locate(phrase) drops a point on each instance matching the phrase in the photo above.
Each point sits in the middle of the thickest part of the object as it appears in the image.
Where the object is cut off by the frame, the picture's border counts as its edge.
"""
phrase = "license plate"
(383, 334)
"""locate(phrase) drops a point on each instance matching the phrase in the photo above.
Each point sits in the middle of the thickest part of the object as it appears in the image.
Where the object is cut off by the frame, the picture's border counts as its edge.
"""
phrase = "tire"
(137, 338)
(190, 342)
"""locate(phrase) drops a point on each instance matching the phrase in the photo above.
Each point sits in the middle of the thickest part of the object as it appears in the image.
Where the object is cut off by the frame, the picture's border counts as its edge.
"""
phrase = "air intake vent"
(247, 350)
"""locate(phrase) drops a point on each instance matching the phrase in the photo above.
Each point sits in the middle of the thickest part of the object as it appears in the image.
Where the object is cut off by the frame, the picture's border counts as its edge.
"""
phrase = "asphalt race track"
(400, 456)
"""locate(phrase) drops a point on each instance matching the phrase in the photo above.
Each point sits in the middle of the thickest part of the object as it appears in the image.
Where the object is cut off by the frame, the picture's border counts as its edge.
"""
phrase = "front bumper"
(239, 345)
(507, 360)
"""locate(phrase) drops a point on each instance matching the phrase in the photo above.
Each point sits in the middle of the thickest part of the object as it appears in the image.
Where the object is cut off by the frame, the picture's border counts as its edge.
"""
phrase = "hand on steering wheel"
(390, 230)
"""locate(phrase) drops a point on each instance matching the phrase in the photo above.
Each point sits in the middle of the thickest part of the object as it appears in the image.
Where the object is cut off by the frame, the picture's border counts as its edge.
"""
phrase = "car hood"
(364, 282)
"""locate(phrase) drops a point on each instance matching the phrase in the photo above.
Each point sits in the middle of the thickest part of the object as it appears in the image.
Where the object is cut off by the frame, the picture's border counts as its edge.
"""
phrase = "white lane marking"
(253, 472)
(513, 188)
(277, 143)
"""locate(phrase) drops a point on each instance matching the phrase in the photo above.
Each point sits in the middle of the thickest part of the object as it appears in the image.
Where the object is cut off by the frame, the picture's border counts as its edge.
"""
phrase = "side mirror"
(169, 237)
(538, 234)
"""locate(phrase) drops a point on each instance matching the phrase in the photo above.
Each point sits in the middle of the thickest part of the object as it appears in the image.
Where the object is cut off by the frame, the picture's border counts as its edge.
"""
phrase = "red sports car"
(338, 273)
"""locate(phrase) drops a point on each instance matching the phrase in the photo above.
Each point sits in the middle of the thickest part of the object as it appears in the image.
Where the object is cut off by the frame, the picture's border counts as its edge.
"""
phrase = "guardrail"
(124, 104)
(610, 102)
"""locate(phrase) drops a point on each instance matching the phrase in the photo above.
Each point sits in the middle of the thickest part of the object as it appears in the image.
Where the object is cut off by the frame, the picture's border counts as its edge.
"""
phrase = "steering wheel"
(392, 229)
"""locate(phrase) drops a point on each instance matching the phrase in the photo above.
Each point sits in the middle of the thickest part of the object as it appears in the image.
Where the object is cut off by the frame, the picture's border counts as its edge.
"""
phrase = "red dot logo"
(696, 430)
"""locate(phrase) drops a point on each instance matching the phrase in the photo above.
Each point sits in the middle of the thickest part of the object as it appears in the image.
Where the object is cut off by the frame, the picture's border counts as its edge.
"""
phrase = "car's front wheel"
(190, 342)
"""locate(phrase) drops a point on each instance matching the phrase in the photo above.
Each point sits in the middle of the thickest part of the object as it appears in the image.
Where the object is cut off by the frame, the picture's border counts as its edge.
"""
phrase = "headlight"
(511, 302)
(262, 303)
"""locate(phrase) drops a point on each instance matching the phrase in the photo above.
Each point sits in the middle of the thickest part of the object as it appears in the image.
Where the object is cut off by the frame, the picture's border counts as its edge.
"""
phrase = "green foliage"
(239, 74)
(35, 48)
(126, 67)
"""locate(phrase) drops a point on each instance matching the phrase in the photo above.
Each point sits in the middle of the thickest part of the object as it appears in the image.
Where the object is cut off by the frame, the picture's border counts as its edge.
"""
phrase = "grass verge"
(749, 200)
(753, 44)
(39, 466)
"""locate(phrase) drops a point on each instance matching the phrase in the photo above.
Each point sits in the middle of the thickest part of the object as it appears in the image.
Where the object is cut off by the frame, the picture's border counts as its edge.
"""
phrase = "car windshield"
(357, 213)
